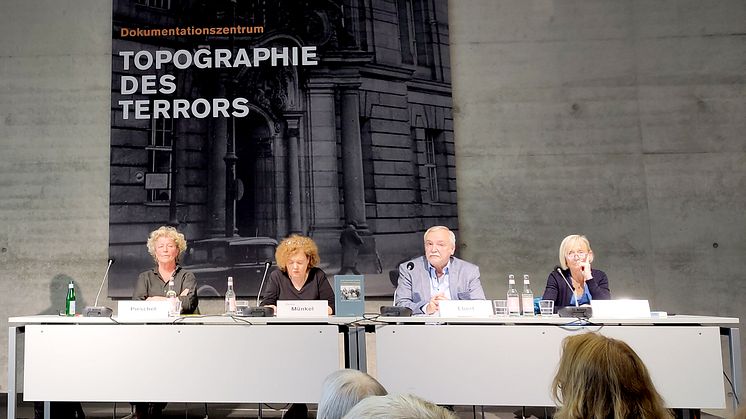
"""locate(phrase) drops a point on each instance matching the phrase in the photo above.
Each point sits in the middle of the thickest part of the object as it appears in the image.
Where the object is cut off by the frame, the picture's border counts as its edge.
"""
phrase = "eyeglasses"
(577, 255)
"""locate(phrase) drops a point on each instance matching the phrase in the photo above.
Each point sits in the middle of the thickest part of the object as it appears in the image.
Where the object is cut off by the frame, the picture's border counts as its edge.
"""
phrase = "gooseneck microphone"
(96, 310)
(568, 284)
(267, 264)
(576, 311)
(259, 311)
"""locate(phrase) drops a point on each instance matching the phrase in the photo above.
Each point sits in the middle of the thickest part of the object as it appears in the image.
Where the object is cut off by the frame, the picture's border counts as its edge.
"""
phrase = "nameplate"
(620, 309)
(142, 310)
(465, 308)
(302, 308)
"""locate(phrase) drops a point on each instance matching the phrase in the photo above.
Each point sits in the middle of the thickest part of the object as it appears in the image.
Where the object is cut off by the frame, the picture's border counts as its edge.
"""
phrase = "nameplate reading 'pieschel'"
(142, 310)
(302, 308)
(465, 308)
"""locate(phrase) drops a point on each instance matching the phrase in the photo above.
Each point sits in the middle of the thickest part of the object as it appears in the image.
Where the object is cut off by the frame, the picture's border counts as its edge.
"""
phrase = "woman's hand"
(585, 269)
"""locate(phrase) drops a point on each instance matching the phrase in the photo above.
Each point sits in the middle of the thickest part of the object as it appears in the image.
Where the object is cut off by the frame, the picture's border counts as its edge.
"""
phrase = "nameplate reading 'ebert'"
(465, 308)
(142, 310)
(302, 308)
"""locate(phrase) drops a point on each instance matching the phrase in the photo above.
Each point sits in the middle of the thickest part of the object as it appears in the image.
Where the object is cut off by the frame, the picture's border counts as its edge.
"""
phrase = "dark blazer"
(559, 290)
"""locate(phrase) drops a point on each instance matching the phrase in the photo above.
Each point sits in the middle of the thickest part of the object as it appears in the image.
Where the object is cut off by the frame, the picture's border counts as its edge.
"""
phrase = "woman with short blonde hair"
(165, 245)
(169, 232)
(574, 282)
(603, 378)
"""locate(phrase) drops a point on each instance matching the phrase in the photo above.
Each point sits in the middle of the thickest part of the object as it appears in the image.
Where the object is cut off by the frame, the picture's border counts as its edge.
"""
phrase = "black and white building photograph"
(360, 139)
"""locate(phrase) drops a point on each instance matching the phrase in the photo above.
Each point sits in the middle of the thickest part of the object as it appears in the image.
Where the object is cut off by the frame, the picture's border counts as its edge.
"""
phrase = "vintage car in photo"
(213, 260)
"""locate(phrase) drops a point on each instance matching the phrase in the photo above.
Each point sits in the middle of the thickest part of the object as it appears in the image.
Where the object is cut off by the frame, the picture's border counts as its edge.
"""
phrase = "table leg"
(12, 371)
(734, 348)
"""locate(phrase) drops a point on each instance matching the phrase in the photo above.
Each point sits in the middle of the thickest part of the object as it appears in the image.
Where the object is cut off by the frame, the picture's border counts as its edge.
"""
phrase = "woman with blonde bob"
(603, 378)
(574, 282)
(299, 277)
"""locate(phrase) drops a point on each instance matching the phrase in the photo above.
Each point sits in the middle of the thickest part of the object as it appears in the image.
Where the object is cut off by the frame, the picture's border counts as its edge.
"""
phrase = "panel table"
(213, 359)
(512, 361)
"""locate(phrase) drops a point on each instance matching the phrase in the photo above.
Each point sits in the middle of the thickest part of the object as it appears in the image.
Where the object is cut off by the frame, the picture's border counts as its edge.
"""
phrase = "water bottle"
(514, 301)
(230, 298)
(172, 299)
(70, 300)
(527, 297)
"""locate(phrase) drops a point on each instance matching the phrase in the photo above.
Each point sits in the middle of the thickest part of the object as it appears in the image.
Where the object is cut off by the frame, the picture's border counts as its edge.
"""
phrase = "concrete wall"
(620, 120)
(55, 60)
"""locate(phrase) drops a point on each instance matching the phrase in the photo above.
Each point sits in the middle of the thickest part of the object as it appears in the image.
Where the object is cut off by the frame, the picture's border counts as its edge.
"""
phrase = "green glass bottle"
(70, 300)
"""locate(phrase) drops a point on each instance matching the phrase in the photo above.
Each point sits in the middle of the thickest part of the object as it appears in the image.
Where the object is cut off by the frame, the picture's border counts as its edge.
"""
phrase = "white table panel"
(210, 363)
(514, 364)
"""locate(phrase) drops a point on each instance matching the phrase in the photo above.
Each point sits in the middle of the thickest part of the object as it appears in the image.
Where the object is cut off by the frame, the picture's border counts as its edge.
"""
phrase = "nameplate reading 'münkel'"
(142, 310)
(465, 308)
(302, 308)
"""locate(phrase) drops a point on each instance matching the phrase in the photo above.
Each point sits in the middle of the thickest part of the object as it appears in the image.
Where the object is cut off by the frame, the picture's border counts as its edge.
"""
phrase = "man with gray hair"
(343, 389)
(426, 280)
(402, 406)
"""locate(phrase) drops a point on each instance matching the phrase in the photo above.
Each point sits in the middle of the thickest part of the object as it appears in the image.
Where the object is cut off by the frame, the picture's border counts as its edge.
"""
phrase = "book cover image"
(349, 292)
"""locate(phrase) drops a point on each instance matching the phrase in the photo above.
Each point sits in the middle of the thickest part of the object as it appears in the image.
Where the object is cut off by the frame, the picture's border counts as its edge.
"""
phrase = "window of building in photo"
(434, 161)
(415, 35)
(155, 4)
(160, 160)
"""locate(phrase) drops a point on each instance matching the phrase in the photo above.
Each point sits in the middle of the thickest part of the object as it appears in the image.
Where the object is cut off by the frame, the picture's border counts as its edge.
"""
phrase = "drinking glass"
(501, 307)
(546, 307)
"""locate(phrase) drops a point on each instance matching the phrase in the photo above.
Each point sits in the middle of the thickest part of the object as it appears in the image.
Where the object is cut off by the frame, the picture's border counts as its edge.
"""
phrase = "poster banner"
(243, 122)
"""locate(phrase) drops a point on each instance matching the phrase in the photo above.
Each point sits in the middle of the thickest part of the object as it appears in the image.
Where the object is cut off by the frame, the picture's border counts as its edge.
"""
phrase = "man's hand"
(434, 304)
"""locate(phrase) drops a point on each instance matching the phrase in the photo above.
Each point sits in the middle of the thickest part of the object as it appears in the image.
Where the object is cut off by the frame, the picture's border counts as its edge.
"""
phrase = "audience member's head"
(601, 378)
(397, 407)
(343, 389)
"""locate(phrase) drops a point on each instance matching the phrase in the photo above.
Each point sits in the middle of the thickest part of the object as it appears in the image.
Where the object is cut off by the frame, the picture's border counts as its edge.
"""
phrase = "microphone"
(96, 310)
(577, 311)
(267, 264)
(259, 311)
(568, 284)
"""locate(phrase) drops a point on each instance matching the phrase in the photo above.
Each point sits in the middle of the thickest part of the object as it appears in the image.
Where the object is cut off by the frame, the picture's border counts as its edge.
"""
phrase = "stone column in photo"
(352, 157)
(216, 192)
(293, 167)
(321, 143)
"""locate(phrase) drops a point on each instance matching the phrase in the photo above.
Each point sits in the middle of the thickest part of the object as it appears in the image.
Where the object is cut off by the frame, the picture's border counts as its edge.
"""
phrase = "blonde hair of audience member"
(293, 244)
(171, 233)
(397, 406)
(601, 378)
(568, 243)
(343, 389)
